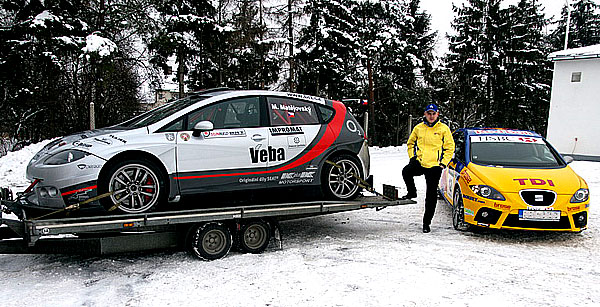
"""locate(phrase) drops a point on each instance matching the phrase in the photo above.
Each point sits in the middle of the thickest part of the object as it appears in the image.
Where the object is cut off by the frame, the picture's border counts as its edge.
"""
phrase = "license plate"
(539, 215)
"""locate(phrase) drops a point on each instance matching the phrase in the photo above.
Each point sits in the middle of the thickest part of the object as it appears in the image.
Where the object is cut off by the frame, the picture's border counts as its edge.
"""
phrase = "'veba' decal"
(269, 154)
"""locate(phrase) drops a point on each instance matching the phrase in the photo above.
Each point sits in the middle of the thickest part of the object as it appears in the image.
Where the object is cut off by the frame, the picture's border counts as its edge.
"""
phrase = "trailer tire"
(254, 236)
(209, 241)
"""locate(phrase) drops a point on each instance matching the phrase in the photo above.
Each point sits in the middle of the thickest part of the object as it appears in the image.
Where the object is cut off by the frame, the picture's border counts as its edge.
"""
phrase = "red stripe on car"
(79, 190)
(331, 134)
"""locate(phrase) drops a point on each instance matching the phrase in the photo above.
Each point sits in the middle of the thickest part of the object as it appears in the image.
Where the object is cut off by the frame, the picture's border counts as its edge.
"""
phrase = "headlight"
(65, 157)
(486, 191)
(580, 196)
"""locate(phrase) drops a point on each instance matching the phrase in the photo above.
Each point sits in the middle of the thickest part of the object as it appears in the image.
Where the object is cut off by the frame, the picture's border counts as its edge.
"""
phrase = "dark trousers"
(432, 177)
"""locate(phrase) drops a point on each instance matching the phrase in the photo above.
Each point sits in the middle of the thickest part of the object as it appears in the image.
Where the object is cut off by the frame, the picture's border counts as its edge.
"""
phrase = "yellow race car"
(512, 179)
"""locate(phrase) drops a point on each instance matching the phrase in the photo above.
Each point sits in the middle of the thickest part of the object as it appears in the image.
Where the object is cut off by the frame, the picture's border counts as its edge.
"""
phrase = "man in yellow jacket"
(430, 148)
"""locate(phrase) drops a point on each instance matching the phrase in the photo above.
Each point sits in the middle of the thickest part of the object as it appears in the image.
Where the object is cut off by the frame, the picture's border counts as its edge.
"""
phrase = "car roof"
(499, 131)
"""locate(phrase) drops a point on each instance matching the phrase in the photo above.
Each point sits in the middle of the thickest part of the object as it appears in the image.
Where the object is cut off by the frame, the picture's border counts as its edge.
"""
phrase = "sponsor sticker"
(469, 212)
(534, 181)
(312, 168)
(505, 139)
(573, 208)
(473, 199)
(286, 130)
(117, 138)
(81, 144)
(503, 131)
(233, 133)
(184, 136)
(296, 141)
(270, 154)
(307, 97)
(258, 179)
(291, 109)
(466, 176)
(352, 127)
(85, 166)
(170, 137)
(539, 208)
(103, 141)
(501, 206)
(297, 175)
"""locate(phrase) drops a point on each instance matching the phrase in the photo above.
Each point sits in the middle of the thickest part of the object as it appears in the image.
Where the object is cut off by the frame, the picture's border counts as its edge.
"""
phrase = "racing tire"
(138, 186)
(338, 181)
(458, 212)
(254, 237)
(209, 241)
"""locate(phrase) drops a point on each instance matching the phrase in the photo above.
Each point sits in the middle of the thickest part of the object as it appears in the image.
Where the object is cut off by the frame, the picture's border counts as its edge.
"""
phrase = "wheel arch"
(340, 152)
(136, 155)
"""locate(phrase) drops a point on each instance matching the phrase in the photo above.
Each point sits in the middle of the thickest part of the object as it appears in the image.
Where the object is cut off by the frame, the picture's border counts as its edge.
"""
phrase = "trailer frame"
(101, 235)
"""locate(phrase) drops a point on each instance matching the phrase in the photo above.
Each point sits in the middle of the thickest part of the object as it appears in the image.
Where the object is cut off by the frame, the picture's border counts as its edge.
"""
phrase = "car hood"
(512, 180)
(85, 141)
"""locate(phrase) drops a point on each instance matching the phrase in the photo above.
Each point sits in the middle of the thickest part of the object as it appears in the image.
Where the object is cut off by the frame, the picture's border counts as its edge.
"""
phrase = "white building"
(574, 119)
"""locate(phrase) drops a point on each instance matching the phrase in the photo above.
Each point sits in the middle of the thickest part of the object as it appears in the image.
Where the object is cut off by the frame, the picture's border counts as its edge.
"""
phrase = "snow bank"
(14, 165)
(358, 258)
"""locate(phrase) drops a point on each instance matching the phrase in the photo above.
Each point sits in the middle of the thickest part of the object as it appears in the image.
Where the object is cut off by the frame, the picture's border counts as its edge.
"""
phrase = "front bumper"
(480, 212)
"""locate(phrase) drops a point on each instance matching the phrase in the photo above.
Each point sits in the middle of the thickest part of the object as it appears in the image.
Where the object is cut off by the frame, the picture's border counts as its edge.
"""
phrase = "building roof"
(587, 52)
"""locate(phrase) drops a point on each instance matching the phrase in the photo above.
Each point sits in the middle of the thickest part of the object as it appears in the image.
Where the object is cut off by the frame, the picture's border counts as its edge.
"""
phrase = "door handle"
(258, 137)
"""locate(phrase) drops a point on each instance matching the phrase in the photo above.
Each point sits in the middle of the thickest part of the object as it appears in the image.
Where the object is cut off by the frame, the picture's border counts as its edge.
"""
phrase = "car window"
(326, 113)
(459, 141)
(235, 113)
(289, 112)
(512, 151)
(160, 113)
(176, 125)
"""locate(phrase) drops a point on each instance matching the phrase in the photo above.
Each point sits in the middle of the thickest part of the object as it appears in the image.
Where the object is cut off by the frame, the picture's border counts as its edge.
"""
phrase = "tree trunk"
(291, 46)
(180, 71)
(371, 102)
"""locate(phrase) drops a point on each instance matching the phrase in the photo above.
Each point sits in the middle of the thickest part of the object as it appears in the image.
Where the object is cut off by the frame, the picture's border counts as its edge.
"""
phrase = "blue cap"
(431, 107)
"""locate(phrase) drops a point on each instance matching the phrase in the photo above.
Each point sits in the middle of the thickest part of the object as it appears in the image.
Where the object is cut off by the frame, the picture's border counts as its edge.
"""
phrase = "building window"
(576, 77)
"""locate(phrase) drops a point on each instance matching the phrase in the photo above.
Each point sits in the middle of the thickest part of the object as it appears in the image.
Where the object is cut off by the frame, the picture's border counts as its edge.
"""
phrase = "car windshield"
(160, 113)
(513, 151)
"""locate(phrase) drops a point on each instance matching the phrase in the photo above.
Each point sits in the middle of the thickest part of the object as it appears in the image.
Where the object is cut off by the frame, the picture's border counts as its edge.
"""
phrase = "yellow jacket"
(432, 145)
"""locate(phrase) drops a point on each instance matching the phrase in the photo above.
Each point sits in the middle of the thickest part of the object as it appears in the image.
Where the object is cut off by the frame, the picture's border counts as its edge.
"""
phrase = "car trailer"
(206, 233)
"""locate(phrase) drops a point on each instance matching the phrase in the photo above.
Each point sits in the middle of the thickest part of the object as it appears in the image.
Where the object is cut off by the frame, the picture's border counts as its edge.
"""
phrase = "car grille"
(512, 220)
(543, 198)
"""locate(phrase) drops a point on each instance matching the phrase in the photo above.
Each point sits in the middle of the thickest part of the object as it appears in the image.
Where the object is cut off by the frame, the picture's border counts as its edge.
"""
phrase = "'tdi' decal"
(534, 181)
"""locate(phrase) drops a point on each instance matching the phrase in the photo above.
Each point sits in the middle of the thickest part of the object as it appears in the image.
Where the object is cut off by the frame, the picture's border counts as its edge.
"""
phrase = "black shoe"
(426, 229)
(408, 196)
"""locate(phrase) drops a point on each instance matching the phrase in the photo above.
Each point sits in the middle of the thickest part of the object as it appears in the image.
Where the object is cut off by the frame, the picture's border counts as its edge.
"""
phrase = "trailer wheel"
(210, 241)
(254, 236)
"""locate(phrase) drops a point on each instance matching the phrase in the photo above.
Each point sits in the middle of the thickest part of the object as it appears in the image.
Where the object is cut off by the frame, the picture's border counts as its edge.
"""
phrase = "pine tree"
(584, 29)
(526, 74)
(184, 30)
(474, 63)
(53, 71)
(250, 63)
(328, 50)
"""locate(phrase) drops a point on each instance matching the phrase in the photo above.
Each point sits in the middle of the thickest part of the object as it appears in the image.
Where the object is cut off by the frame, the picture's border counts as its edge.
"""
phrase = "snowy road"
(362, 258)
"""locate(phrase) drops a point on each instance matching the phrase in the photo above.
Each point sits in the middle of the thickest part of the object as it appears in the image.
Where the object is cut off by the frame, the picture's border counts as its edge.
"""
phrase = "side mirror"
(568, 159)
(202, 126)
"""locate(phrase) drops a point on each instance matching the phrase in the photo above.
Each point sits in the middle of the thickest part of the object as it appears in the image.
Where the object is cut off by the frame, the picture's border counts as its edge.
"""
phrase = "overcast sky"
(442, 15)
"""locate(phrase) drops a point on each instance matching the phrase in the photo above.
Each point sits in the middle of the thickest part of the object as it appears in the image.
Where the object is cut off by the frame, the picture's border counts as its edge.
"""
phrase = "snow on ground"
(360, 258)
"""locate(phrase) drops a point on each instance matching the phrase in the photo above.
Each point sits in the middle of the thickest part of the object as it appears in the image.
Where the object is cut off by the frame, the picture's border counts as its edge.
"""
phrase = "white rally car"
(211, 141)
